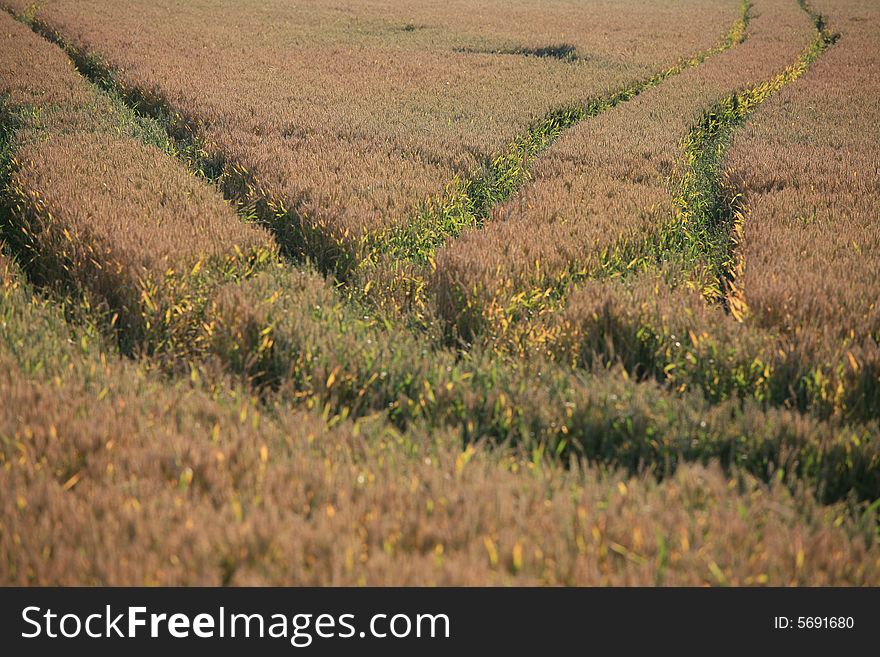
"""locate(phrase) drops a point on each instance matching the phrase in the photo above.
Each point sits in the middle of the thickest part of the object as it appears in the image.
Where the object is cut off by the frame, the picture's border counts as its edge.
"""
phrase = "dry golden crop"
(645, 398)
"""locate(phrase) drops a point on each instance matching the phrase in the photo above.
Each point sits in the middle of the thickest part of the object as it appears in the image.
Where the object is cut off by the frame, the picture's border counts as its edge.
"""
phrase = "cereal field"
(405, 292)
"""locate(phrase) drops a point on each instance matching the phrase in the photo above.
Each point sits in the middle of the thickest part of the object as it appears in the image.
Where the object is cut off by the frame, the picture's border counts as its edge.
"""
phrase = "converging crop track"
(309, 222)
(602, 192)
(470, 202)
(668, 334)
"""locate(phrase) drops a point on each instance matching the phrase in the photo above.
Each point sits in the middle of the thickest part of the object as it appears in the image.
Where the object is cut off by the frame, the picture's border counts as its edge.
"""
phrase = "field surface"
(374, 292)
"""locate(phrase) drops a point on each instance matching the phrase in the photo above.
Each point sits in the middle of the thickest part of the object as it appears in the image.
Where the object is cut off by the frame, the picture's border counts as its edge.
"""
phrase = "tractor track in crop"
(468, 201)
(703, 234)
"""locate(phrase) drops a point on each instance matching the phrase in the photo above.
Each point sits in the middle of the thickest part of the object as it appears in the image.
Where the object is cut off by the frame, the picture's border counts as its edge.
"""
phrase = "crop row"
(806, 167)
(824, 366)
(93, 204)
